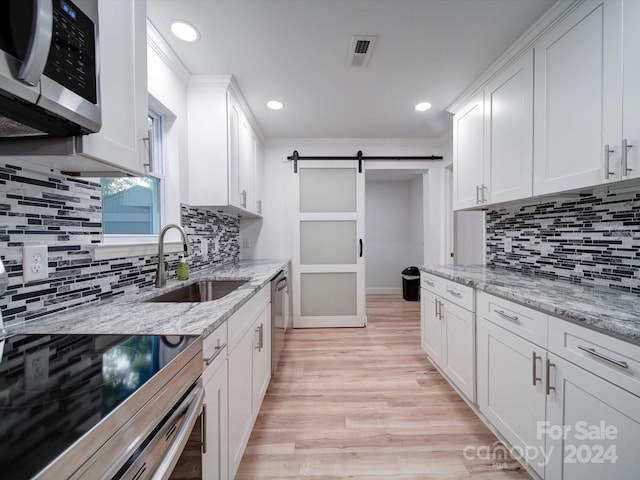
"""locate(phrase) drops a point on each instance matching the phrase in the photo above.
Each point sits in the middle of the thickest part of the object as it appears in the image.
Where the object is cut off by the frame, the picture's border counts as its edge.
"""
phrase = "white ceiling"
(296, 51)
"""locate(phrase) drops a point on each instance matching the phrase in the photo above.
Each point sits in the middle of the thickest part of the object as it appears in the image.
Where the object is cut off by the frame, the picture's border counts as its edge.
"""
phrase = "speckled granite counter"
(607, 310)
(129, 315)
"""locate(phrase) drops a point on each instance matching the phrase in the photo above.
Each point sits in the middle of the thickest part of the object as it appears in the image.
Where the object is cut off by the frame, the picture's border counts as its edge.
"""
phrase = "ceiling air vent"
(360, 51)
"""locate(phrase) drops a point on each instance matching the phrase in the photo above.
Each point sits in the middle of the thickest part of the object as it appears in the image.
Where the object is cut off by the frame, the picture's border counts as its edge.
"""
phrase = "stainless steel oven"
(97, 406)
(49, 68)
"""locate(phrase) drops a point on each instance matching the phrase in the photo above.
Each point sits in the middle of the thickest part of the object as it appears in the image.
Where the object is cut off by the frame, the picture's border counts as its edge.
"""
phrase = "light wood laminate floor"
(366, 403)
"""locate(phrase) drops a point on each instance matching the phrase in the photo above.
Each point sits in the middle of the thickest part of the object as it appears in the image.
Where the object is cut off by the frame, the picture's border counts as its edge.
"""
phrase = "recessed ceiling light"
(184, 31)
(275, 105)
(421, 107)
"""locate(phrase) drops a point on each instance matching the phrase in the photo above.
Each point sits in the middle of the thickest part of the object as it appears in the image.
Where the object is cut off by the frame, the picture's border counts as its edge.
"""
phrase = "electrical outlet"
(36, 368)
(246, 243)
(204, 247)
(34, 262)
(508, 245)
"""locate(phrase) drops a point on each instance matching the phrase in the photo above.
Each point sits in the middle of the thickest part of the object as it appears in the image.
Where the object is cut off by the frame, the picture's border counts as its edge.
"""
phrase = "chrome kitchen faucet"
(163, 267)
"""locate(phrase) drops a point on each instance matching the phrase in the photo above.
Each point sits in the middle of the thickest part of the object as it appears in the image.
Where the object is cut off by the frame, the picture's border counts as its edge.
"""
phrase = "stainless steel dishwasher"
(279, 293)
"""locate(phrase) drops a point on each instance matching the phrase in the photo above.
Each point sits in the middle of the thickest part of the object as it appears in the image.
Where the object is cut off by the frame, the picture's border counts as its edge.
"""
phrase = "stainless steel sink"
(203, 291)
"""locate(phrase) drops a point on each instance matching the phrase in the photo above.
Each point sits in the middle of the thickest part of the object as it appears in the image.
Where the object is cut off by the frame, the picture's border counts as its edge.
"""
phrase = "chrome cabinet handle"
(504, 314)
(549, 387)
(441, 313)
(592, 351)
(429, 282)
(625, 152)
(607, 154)
(260, 343)
(478, 201)
(484, 189)
(535, 377)
(454, 293)
(243, 202)
(217, 350)
(259, 206)
(437, 312)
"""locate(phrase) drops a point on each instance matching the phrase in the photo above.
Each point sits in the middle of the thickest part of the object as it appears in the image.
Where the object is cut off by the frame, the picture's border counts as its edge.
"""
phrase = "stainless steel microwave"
(49, 68)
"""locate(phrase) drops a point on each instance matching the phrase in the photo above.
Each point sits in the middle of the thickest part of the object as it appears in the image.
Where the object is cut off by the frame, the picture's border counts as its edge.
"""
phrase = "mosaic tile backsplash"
(66, 215)
(592, 239)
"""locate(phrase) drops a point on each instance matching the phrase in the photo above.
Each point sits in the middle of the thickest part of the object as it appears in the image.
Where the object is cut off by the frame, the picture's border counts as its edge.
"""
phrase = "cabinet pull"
(259, 344)
(437, 312)
(259, 206)
(592, 351)
(454, 293)
(607, 154)
(478, 201)
(485, 189)
(504, 314)
(549, 387)
(441, 310)
(625, 153)
(244, 198)
(203, 428)
(534, 359)
(217, 350)
(261, 336)
(429, 282)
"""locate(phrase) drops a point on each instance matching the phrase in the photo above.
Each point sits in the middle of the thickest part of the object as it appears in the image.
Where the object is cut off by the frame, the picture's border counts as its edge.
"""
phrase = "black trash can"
(411, 284)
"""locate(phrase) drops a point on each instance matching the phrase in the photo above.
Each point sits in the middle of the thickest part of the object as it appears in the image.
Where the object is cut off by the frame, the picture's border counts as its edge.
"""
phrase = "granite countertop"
(607, 310)
(129, 315)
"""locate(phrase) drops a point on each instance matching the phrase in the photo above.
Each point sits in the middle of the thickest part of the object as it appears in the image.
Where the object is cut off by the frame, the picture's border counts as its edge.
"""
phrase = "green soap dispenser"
(183, 269)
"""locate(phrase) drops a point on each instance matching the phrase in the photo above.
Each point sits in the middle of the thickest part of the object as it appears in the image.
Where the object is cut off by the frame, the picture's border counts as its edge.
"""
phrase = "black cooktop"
(55, 388)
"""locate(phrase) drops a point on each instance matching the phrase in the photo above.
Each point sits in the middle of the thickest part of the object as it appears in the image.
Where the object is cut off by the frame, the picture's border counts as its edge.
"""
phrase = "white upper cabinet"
(631, 91)
(468, 153)
(578, 99)
(222, 148)
(509, 133)
(493, 140)
(123, 87)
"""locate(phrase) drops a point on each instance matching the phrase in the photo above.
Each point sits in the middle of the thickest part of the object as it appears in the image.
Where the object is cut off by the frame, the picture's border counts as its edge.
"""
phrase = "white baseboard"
(381, 291)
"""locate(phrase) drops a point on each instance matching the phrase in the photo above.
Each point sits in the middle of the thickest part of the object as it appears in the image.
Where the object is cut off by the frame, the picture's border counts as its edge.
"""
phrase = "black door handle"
(361, 246)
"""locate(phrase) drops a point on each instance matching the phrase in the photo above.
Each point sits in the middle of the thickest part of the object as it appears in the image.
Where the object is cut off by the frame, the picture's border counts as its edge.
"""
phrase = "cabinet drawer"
(608, 357)
(523, 321)
(459, 294)
(242, 320)
(431, 283)
(214, 351)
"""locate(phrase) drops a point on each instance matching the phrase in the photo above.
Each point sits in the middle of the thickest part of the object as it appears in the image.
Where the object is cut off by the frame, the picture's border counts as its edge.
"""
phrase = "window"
(132, 205)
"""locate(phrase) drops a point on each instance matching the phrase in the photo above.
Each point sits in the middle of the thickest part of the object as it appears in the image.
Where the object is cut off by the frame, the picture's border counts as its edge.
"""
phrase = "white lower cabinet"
(448, 330)
(261, 358)
(240, 400)
(511, 392)
(249, 370)
(215, 424)
(571, 418)
(215, 459)
(594, 426)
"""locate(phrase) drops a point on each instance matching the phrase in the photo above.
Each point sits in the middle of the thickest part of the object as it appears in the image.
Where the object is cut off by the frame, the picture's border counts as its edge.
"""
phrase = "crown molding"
(166, 54)
(550, 19)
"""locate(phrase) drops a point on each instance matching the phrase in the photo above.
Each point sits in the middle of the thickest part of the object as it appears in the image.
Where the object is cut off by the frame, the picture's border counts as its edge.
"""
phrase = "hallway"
(365, 403)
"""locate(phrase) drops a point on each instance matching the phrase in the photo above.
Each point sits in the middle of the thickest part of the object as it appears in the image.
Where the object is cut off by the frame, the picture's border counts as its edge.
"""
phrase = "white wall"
(272, 236)
(394, 232)
(166, 83)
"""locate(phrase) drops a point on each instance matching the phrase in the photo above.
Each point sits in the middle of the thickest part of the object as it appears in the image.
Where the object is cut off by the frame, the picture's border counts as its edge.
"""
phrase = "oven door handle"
(172, 455)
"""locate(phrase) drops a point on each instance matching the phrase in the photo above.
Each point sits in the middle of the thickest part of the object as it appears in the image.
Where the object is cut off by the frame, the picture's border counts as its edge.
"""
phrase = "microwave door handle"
(39, 43)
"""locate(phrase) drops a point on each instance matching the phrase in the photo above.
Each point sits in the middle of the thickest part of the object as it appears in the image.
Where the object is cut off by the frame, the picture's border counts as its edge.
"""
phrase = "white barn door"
(329, 249)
